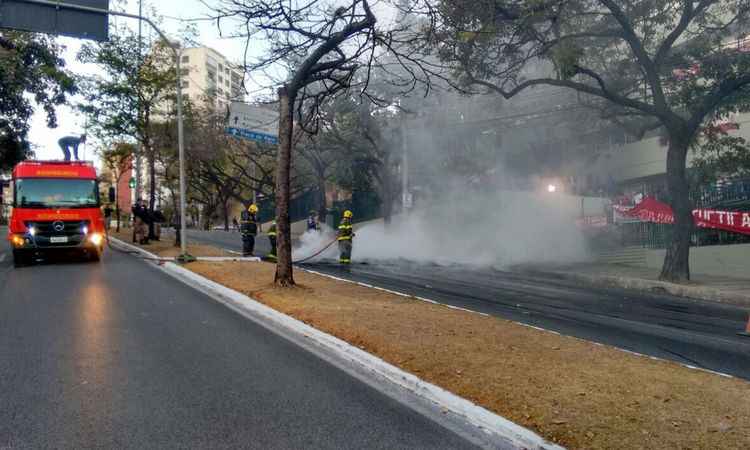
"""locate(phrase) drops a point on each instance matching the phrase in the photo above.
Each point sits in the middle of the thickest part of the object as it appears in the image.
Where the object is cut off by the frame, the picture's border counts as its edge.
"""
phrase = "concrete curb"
(650, 286)
(483, 419)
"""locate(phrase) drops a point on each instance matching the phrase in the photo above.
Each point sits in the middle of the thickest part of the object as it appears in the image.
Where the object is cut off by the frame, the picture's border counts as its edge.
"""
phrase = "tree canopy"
(31, 72)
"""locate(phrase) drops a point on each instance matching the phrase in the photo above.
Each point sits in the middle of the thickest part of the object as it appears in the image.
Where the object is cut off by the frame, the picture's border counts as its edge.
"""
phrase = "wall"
(644, 158)
(727, 260)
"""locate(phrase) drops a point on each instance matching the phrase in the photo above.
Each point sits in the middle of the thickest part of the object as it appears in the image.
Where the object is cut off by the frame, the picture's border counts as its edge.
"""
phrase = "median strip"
(573, 392)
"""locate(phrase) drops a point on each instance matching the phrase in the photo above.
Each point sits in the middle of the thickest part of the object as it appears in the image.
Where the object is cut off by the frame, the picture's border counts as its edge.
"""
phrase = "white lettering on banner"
(746, 220)
(730, 218)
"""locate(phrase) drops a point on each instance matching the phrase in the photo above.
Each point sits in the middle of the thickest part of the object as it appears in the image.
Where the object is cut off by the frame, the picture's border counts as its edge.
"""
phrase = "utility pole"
(405, 200)
(138, 179)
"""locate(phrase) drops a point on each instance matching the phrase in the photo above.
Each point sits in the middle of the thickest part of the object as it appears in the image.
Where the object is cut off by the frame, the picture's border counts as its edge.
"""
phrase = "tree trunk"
(284, 275)
(117, 214)
(226, 215)
(152, 192)
(387, 191)
(676, 266)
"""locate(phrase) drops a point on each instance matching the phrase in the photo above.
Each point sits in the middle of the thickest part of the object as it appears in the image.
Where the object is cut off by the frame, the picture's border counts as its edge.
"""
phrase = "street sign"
(253, 122)
(52, 17)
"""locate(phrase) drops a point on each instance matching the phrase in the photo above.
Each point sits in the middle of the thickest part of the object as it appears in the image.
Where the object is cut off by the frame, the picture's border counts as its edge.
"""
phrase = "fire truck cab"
(56, 208)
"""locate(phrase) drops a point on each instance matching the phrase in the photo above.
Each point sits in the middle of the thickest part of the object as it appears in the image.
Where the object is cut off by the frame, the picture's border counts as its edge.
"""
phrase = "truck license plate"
(58, 239)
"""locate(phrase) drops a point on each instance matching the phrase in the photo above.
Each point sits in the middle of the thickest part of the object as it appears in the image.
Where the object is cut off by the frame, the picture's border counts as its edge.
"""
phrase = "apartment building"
(210, 79)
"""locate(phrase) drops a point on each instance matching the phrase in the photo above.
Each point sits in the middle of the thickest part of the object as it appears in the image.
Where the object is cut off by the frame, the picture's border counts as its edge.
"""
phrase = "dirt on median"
(573, 392)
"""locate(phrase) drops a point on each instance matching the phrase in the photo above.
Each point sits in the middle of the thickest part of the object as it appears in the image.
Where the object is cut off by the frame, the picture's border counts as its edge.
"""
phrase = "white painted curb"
(484, 419)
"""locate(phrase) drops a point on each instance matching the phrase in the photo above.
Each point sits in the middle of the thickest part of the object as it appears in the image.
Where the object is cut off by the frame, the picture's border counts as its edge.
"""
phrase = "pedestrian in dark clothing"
(140, 223)
(312, 222)
(107, 218)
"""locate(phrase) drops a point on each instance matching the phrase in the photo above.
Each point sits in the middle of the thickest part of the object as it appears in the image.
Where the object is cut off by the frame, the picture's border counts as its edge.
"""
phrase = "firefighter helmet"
(348, 214)
(252, 208)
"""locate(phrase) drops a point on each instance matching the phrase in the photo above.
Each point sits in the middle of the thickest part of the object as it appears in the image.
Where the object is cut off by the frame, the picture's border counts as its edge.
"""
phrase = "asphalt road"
(119, 355)
(697, 333)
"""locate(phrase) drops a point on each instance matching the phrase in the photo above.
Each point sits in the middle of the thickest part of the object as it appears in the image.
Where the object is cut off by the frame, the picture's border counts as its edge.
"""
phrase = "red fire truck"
(56, 207)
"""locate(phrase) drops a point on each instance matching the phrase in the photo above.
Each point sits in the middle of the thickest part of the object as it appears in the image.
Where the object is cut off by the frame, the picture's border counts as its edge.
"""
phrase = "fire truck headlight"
(96, 239)
(85, 230)
(32, 230)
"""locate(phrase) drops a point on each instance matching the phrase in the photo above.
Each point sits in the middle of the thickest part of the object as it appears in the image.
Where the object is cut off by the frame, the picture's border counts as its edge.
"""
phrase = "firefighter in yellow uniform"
(249, 229)
(272, 240)
(345, 236)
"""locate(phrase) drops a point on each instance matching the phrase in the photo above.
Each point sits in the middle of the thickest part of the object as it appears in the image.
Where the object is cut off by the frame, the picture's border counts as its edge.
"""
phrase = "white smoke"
(500, 230)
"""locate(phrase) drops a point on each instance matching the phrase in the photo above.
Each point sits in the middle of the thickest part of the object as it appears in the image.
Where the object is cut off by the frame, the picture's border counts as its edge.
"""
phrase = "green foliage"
(721, 155)
(31, 72)
(122, 102)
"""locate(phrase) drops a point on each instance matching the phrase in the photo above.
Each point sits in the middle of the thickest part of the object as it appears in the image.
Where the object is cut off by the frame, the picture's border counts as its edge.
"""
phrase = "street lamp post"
(177, 50)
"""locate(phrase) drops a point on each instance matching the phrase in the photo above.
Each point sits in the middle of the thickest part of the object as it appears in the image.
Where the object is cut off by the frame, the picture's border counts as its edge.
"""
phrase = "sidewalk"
(702, 286)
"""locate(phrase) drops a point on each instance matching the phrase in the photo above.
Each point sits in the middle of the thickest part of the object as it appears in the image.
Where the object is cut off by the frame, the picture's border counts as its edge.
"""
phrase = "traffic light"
(131, 183)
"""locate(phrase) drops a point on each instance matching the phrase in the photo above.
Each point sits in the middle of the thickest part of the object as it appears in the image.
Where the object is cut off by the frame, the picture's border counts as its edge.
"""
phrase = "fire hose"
(317, 253)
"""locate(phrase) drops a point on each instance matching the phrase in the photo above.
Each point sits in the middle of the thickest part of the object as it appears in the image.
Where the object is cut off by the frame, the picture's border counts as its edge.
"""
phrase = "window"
(56, 193)
(185, 59)
(185, 84)
(184, 72)
(221, 79)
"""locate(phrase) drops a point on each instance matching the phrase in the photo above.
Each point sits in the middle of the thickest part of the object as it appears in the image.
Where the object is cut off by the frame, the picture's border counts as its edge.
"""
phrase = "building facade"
(210, 79)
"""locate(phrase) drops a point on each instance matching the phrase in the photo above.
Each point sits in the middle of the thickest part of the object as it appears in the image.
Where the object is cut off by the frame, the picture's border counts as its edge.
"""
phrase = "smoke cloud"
(492, 229)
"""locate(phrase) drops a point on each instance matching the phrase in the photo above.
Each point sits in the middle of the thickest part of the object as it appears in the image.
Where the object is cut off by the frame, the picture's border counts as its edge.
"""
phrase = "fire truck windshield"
(56, 193)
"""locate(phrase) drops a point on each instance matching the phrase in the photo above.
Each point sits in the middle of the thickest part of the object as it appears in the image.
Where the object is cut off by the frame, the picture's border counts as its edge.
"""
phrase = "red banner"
(652, 210)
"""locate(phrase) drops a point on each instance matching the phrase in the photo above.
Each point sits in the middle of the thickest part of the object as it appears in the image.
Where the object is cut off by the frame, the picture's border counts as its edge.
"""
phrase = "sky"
(71, 123)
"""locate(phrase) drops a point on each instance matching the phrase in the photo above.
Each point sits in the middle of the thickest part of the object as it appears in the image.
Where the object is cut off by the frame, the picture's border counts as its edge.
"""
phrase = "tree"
(652, 63)
(30, 72)
(126, 101)
(118, 159)
(315, 36)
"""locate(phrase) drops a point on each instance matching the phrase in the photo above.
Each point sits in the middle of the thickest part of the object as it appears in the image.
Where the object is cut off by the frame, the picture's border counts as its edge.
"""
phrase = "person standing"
(249, 229)
(312, 222)
(140, 223)
(345, 236)
(107, 217)
(272, 240)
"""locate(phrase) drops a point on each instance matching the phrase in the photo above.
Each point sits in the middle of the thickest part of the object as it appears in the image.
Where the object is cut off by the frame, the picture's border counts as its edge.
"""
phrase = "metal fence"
(726, 194)
(364, 204)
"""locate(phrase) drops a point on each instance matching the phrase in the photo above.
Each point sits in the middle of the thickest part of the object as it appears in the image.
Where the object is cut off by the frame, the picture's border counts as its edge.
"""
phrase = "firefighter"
(345, 236)
(249, 229)
(272, 240)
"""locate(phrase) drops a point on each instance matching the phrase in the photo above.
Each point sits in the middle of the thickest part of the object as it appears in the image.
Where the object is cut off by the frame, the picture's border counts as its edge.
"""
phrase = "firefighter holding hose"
(345, 236)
